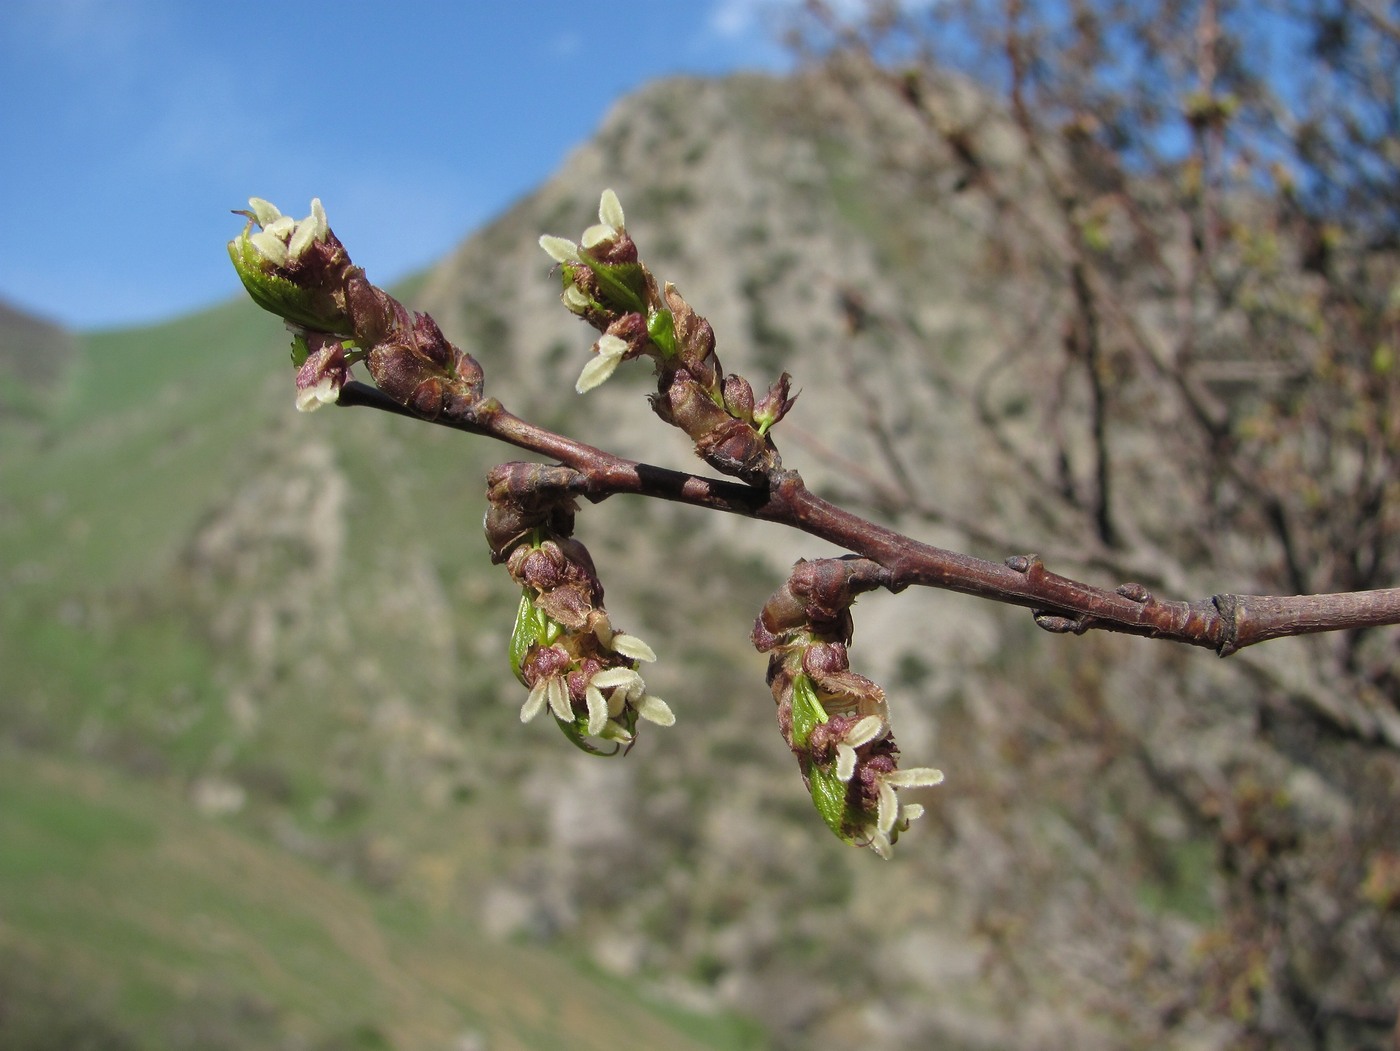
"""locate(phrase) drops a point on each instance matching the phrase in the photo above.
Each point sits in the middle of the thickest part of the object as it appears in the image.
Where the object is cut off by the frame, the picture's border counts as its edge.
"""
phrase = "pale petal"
(265, 211)
(595, 373)
(610, 677)
(596, 235)
(534, 704)
(560, 249)
(281, 227)
(597, 710)
(272, 248)
(617, 701)
(655, 710)
(632, 647)
(917, 777)
(912, 812)
(869, 728)
(610, 209)
(559, 704)
(575, 299)
(302, 239)
(888, 808)
(880, 843)
(610, 346)
(845, 761)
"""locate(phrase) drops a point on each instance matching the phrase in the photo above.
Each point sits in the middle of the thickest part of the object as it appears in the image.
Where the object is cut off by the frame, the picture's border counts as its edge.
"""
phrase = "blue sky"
(131, 127)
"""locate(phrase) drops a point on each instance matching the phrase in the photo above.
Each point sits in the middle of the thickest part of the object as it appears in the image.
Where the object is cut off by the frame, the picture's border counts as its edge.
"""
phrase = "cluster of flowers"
(607, 285)
(835, 721)
(299, 270)
(564, 646)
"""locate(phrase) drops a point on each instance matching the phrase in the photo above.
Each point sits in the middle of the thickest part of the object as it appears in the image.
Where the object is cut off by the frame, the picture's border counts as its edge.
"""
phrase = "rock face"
(1134, 843)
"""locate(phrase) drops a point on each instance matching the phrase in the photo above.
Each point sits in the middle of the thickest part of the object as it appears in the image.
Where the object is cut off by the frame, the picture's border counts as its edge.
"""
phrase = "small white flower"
(553, 691)
(575, 299)
(325, 392)
(889, 812)
(862, 732)
(282, 239)
(560, 249)
(609, 351)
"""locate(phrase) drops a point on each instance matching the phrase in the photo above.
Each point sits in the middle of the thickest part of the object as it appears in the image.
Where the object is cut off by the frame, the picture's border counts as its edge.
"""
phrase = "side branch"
(1225, 623)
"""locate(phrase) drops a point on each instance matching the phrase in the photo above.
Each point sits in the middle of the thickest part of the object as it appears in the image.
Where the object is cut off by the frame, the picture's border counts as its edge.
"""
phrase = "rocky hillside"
(290, 624)
(33, 356)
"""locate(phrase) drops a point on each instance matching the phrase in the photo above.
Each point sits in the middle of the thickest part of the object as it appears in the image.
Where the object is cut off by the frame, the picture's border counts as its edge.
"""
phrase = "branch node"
(1024, 563)
(1232, 612)
(1136, 593)
(1057, 624)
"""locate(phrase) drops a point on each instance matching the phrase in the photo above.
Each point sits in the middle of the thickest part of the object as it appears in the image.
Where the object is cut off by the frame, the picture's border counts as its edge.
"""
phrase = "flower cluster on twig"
(835, 721)
(564, 647)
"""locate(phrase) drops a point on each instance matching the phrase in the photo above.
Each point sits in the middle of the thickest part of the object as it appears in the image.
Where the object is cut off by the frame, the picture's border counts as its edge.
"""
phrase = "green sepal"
(661, 328)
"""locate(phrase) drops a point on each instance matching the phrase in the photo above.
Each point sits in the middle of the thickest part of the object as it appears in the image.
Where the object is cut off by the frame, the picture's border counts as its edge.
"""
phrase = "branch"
(1225, 623)
(564, 646)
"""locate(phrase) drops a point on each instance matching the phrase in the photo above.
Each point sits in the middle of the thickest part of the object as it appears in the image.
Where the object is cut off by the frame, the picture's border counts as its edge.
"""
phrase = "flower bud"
(323, 373)
(775, 404)
(738, 397)
(296, 270)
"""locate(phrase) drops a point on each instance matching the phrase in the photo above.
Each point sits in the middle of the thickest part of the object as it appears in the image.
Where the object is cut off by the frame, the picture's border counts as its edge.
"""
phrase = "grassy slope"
(107, 654)
(162, 911)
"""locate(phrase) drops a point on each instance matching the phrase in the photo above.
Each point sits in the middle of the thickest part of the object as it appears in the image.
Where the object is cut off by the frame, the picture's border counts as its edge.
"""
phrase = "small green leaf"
(807, 710)
(661, 327)
(300, 351)
(531, 625)
(829, 797)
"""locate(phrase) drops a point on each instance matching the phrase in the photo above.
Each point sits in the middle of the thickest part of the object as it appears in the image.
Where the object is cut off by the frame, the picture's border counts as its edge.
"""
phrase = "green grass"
(124, 890)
